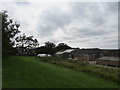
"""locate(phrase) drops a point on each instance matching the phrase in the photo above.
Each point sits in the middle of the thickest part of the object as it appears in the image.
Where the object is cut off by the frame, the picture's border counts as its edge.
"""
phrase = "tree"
(35, 43)
(48, 48)
(62, 46)
(26, 45)
(41, 50)
(20, 40)
(9, 31)
(49, 44)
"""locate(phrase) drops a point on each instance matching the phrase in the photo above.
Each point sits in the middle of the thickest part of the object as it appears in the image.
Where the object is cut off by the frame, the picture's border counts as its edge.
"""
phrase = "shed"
(109, 61)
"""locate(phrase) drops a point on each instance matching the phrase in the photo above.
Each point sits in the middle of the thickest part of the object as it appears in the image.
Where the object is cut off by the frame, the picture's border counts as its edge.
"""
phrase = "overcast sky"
(78, 24)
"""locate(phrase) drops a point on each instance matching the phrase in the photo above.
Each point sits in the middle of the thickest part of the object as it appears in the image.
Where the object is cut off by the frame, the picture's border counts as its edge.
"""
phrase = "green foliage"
(48, 48)
(26, 41)
(49, 44)
(9, 30)
(51, 48)
(97, 71)
(62, 46)
(28, 72)
(26, 45)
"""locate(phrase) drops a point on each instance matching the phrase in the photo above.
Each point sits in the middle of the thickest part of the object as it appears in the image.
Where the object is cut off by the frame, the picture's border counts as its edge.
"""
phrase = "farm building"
(65, 54)
(86, 54)
(95, 55)
(80, 54)
(110, 52)
(109, 61)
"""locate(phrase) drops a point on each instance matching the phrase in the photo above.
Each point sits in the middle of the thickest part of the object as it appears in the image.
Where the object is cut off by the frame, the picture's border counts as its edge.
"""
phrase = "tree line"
(51, 48)
(16, 43)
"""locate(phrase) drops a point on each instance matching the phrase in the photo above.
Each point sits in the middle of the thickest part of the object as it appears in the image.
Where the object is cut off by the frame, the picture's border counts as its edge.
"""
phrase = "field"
(31, 72)
(108, 73)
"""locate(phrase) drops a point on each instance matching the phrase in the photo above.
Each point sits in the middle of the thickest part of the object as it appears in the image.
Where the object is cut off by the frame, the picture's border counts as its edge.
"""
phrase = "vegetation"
(62, 46)
(48, 48)
(11, 41)
(28, 72)
(9, 31)
(110, 74)
(26, 41)
(51, 48)
(26, 45)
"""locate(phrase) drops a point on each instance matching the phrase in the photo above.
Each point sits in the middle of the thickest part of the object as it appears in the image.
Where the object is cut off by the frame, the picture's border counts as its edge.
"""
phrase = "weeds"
(98, 71)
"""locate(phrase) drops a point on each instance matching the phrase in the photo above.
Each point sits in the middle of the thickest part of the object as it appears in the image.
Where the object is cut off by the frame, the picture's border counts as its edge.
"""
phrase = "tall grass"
(97, 71)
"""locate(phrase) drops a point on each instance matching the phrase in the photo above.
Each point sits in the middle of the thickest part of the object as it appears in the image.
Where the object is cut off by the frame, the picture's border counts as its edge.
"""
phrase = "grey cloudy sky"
(78, 24)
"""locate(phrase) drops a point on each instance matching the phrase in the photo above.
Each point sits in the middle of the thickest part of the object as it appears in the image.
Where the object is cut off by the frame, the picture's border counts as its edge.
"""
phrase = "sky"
(78, 24)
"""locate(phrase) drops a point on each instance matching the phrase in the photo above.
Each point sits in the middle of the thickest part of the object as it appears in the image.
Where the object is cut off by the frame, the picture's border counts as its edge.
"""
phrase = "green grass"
(107, 73)
(28, 72)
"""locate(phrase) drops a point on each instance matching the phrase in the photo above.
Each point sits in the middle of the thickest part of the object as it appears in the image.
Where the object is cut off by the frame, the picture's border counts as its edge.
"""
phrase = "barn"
(80, 54)
(86, 54)
(109, 61)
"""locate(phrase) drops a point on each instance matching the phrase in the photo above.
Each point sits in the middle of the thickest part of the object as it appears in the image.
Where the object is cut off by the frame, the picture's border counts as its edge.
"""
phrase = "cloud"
(53, 19)
(79, 24)
(23, 3)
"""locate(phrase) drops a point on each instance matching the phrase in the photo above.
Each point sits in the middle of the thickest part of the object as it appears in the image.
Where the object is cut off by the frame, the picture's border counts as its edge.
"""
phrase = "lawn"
(27, 72)
(108, 73)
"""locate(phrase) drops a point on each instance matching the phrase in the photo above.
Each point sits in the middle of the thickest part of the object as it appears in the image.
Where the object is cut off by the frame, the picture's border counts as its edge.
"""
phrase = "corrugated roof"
(109, 58)
(69, 50)
(86, 51)
(66, 51)
(59, 52)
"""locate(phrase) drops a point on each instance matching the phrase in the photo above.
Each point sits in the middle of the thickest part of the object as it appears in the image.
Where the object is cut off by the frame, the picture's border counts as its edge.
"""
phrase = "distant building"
(108, 61)
(80, 54)
(86, 54)
(110, 52)
(65, 53)
(98, 56)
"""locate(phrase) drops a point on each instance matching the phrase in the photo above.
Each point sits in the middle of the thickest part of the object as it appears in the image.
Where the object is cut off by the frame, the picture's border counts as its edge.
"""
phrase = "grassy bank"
(28, 72)
(97, 71)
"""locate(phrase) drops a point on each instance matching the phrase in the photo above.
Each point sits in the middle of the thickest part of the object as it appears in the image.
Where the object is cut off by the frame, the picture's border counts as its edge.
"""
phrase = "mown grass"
(28, 72)
(111, 74)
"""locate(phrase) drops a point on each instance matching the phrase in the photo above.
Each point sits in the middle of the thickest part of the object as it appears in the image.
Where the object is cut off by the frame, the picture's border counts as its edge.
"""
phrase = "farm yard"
(34, 72)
